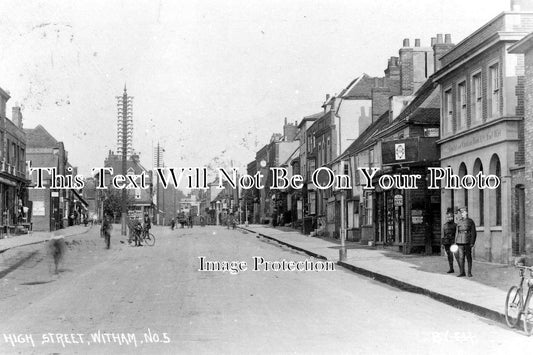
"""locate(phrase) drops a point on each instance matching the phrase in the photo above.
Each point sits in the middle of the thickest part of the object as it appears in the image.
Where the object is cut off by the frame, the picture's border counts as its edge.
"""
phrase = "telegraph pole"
(125, 132)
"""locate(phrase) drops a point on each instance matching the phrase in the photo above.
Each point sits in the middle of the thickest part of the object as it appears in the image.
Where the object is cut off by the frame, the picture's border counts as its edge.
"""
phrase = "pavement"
(16, 241)
(484, 294)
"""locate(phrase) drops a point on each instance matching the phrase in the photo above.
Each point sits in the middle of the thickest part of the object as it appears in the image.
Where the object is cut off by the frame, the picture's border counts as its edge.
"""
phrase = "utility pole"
(158, 155)
(125, 133)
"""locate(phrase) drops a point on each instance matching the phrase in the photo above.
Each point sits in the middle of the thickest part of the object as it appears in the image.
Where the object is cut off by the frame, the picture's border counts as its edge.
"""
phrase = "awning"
(7, 182)
(85, 204)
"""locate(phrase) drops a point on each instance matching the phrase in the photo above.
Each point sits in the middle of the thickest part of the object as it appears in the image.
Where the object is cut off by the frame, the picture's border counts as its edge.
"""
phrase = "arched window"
(496, 194)
(479, 197)
(462, 200)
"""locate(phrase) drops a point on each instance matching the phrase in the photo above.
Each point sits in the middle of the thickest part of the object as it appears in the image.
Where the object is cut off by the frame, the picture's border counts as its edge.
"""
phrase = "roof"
(310, 118)
(39, 137)
(522, 46)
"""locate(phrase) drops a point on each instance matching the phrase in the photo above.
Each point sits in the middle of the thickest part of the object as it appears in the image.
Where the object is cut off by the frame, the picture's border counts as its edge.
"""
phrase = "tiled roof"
(39, 137)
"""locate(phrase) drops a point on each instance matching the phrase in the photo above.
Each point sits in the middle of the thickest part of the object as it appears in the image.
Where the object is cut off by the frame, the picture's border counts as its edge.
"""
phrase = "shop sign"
(398, 200)
(417, 219)
(38, 208)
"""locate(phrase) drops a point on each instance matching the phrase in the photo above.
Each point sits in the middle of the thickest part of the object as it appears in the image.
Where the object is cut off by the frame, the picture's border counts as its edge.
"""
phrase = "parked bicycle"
(515, 303)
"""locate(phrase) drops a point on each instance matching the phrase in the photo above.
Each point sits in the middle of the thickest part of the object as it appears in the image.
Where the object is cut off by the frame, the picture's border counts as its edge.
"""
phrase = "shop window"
(368, 209)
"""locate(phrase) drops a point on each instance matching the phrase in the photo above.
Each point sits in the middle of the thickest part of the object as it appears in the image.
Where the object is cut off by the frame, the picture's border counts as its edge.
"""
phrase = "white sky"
(211, 80)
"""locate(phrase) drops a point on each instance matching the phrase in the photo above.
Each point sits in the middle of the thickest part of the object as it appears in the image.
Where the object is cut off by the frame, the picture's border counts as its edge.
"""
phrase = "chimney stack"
(406, 42)
(440, 48)
(417, 42)
(433, 41)
(16, 116)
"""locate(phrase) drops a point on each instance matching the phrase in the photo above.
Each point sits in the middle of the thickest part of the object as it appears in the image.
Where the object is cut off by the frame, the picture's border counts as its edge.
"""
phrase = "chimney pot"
(285, 120)
(433, 41)
(417, 42)
(439, 38)
(406, 42)
(448, 38)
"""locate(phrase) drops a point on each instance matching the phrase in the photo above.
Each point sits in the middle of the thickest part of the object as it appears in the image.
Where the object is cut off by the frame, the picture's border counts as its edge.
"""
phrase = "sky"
(211, 80)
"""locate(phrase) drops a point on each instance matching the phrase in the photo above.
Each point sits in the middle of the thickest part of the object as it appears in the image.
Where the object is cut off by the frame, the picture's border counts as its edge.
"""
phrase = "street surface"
(154, 300)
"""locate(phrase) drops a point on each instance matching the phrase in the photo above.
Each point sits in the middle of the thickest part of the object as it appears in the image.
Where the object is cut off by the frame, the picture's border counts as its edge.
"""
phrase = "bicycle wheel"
(513, 306)
(528, 316)
(149, 239)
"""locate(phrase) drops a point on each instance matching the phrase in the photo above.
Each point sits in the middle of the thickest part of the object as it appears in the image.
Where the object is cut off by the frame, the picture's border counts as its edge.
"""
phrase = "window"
(461, 113)
(370, 158)
(495, 200)
(312, 202)
(494, 90)
(477, 108)
(448, 111)
(311, 168)
(328, 150)
(368, 209)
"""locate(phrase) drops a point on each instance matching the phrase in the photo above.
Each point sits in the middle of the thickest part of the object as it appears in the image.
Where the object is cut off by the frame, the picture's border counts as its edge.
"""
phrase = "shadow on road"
(15, 266)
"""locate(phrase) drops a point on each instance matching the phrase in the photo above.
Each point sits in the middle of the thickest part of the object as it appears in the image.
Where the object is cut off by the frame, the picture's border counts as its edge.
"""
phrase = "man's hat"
(463, 209)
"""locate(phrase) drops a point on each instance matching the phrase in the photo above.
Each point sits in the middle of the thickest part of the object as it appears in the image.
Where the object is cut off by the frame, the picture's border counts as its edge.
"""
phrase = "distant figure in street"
(138, 230)
(465, 240)
(106, 230)
(190, 221)
(172, 224)
(57, 248)
(448, 237)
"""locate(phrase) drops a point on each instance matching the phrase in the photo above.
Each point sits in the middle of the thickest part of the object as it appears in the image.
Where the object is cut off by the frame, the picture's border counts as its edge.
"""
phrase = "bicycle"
(147, 237)
(515, 306)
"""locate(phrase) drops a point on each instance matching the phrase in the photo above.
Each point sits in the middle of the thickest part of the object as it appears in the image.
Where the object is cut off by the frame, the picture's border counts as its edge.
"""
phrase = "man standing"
(448, 237)
(465, 240)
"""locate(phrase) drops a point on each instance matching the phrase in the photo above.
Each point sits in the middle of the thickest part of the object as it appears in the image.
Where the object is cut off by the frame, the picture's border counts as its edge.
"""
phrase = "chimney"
(521, 5)
(441, 48)
(433, 41)
(289, 131)
(406, 42)
(417, 42)
(16, 116)
(285, 121)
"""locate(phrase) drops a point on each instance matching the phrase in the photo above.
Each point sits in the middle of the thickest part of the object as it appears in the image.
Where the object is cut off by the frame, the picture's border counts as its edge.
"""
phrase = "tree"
(113, 202)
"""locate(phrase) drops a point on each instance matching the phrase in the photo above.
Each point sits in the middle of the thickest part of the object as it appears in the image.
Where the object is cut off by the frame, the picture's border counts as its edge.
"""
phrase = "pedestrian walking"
(465, 239)
(172, 224)
(190, 221)
(448, 237)
(57, 248)
(106, 230)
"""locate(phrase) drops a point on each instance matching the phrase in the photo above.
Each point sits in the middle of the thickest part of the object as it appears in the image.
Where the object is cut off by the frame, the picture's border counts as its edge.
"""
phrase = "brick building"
(481, 127)
(14, 209)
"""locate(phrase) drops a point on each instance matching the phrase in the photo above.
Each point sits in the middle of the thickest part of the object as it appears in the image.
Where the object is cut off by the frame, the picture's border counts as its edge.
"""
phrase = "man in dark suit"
(448, 237)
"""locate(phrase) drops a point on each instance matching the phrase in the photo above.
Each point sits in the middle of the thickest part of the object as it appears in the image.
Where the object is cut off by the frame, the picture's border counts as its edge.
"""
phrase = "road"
(155, 300)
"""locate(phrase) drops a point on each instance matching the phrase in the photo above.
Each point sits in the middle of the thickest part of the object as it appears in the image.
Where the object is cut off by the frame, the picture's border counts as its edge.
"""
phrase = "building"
(482, 127)
(52, 208)
(139, 200)
(15, 211)
(522, 212)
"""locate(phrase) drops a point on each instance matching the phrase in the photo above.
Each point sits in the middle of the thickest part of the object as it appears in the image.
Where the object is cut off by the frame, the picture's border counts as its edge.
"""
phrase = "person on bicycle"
(106, 230)
(147, 223)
